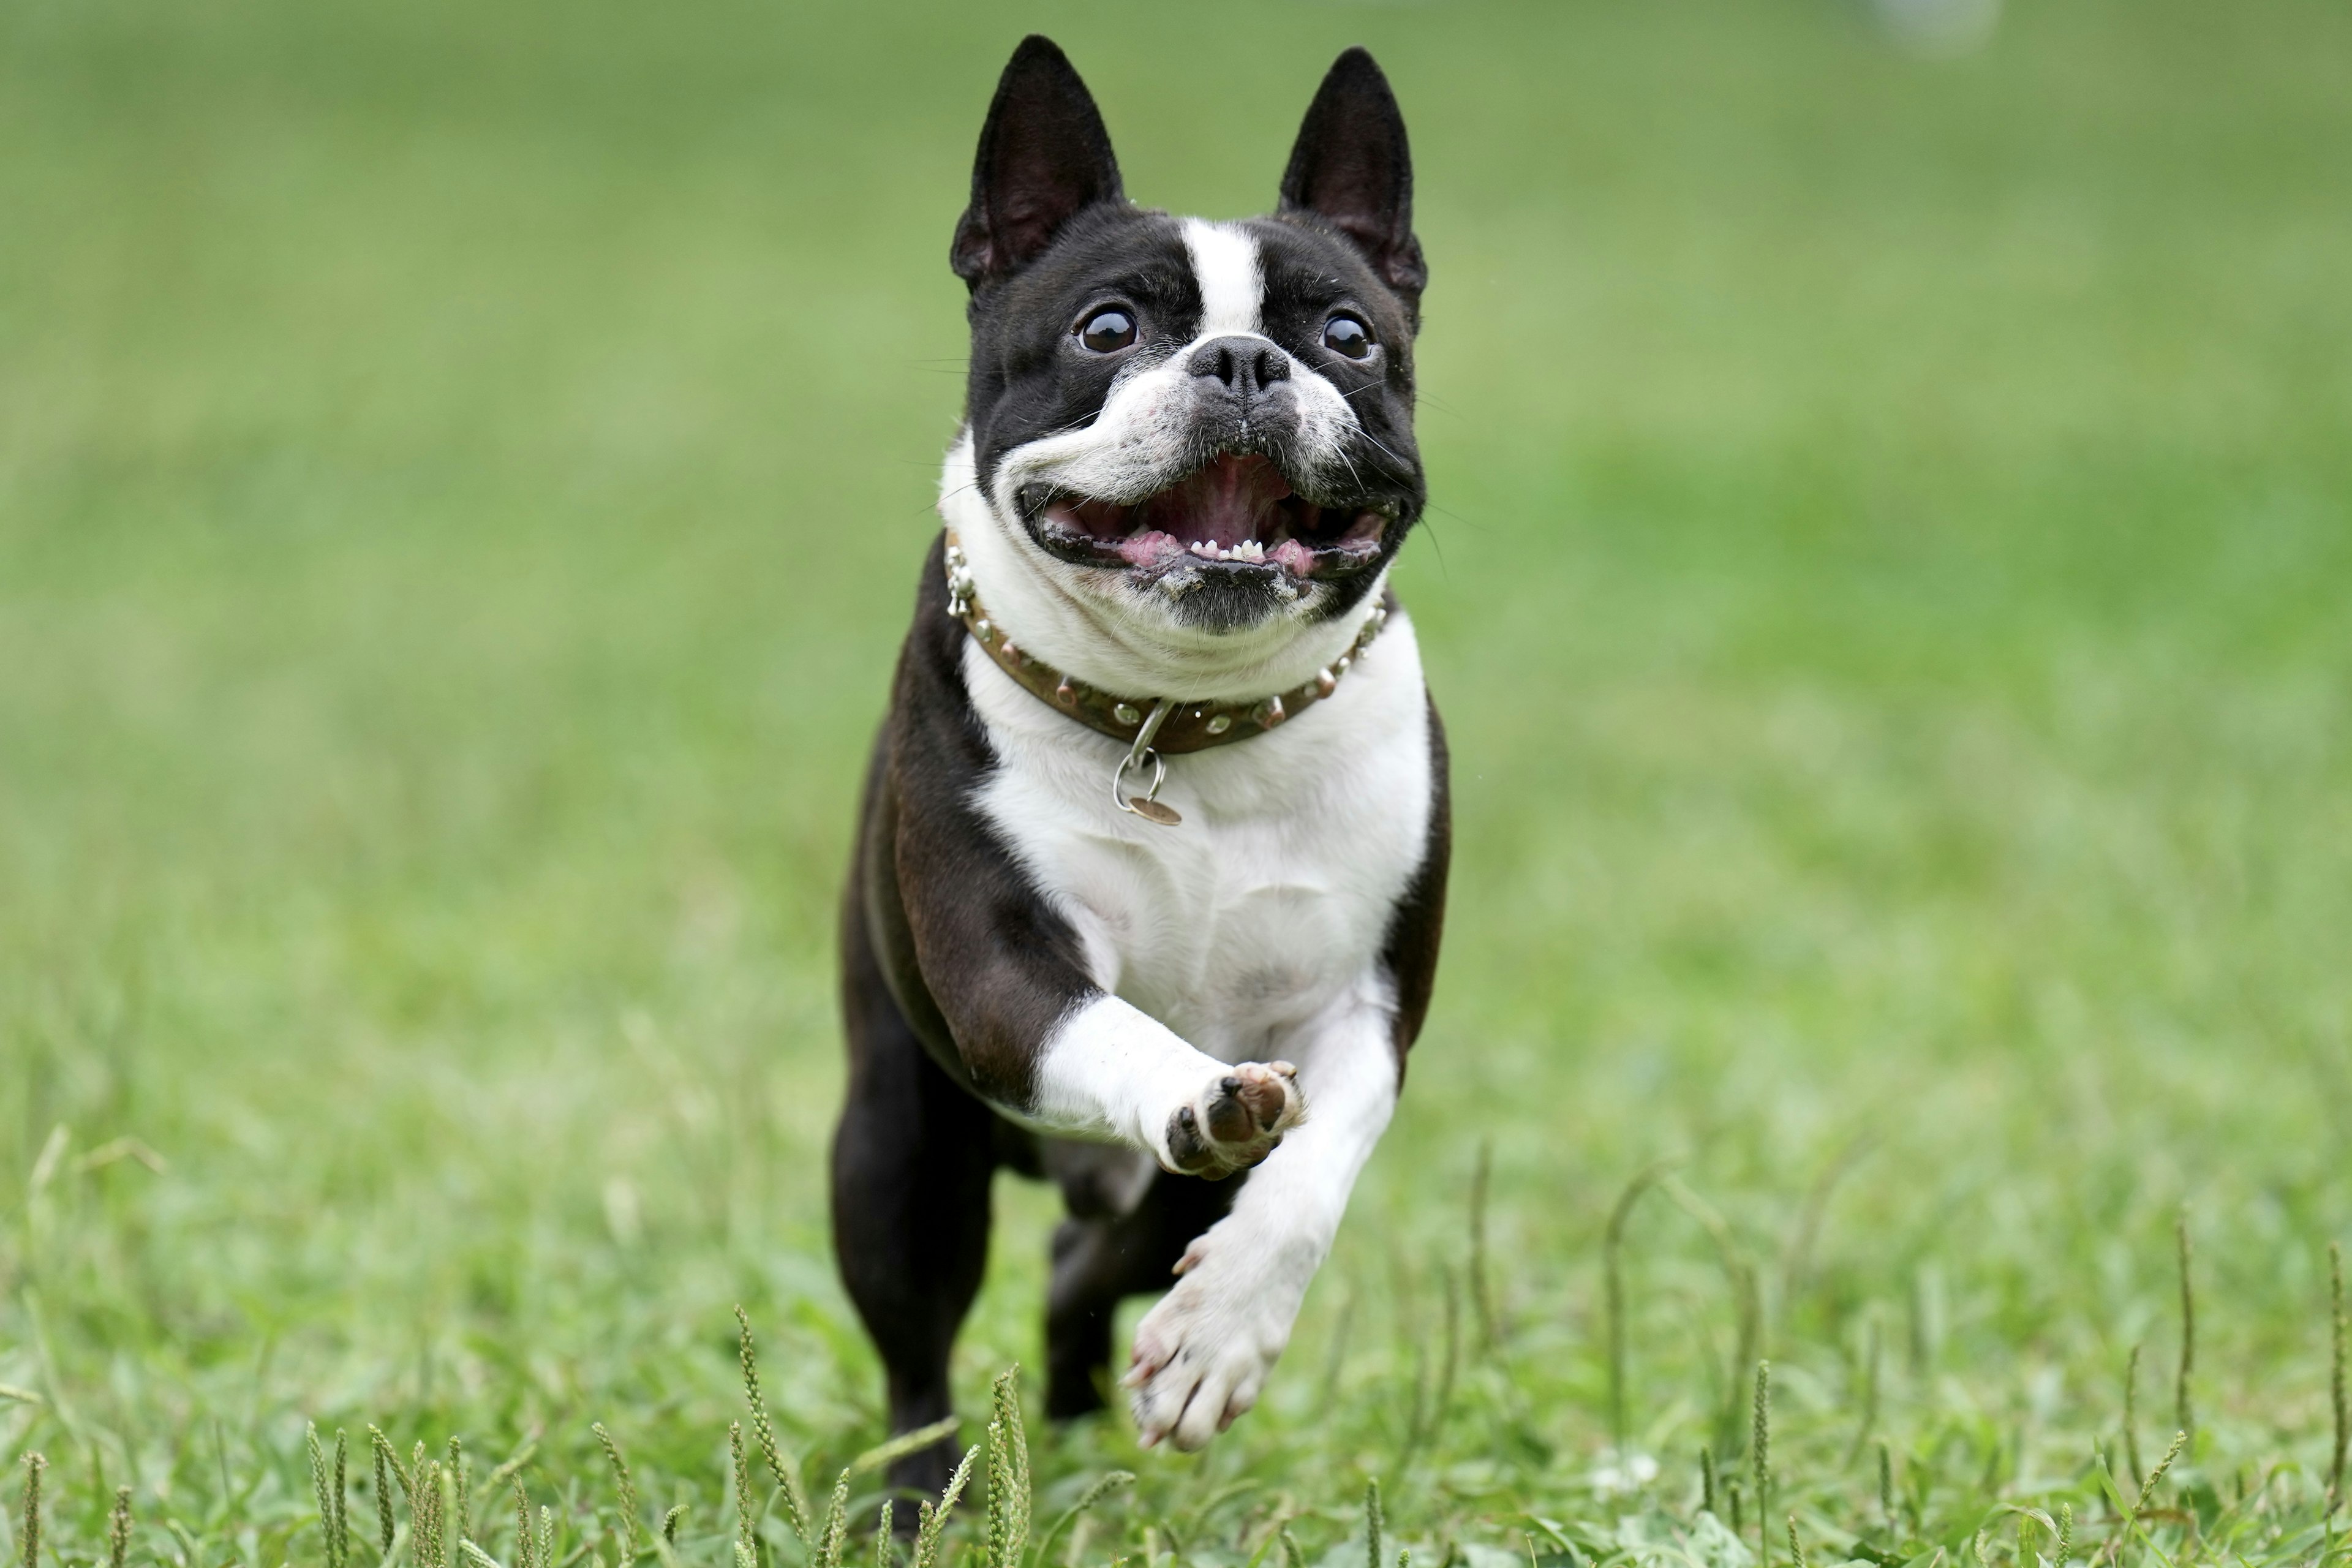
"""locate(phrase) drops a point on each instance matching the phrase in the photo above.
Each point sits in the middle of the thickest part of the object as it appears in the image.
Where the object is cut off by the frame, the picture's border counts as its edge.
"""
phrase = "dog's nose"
(1245, 365)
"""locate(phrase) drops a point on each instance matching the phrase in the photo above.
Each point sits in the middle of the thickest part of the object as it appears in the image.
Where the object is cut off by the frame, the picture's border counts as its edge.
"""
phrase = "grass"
(462, 471)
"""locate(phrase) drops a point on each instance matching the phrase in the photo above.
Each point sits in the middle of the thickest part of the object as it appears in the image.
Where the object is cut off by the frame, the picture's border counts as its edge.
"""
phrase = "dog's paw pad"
(1236, 1120)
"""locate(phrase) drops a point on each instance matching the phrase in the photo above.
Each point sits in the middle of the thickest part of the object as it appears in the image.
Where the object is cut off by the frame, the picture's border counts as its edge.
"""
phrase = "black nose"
(1245, 365)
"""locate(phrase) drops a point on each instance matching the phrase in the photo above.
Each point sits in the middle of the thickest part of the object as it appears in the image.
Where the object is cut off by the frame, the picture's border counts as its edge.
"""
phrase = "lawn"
(463, 471)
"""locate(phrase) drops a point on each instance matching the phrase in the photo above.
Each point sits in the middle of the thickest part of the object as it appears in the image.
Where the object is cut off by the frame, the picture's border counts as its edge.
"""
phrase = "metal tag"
(1152, 810)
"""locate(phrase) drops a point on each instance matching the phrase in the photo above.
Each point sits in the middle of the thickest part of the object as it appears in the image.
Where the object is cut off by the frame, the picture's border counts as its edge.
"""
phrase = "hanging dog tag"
(1145, 806)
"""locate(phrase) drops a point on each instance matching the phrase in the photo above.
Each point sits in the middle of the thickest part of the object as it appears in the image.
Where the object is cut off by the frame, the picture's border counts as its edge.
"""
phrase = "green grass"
(462, 475)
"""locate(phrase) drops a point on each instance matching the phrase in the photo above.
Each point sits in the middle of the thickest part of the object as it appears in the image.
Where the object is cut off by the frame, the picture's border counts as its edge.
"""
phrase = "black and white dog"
(1159, 807)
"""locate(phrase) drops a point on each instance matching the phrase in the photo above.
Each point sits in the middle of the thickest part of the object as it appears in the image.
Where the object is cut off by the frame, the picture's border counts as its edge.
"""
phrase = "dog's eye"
(1347, 337)
(1107, 331)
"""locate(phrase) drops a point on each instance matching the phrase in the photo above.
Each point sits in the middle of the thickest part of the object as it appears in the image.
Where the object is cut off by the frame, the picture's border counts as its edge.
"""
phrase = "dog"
(1151, 857)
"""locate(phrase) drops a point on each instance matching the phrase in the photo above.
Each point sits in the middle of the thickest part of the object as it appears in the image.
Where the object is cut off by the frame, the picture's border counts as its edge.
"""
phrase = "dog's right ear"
(1044, 157)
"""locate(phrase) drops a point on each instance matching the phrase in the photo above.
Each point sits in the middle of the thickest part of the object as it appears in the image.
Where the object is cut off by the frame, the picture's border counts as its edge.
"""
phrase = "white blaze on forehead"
(1224, 259)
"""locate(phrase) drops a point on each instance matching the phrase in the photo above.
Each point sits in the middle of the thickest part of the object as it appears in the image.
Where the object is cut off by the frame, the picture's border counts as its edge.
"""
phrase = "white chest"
(1272, 899)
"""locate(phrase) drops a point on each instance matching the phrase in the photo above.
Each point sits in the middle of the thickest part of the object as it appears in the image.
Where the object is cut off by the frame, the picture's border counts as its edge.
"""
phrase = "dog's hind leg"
(911, 1162)
(1106, 1250)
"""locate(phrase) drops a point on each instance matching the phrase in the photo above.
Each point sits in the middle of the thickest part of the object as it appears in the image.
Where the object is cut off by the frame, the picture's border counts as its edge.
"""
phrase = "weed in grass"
(1761, 1459)
(787, 1473)
(118, 1530)
(1706, 1478)
(28, 1533)
(625, 1485)
(747, 1536)
(1008, 1473)
(1613, 1268)
(1101, 1487)
(1481, 1296)
(388, 1464)
(1796, 1545)
(2184, 1411)
(1865, 1426)
(2337, 1397)
(1375, 1525)
(2065, 1546)
(933, 1518)
(327, 1483)
(1747, 1306)
(461, 1491)
(2132, 1471)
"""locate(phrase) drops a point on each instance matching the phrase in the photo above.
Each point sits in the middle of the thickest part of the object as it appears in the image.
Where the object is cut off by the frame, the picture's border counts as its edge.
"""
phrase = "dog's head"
(1204, 426)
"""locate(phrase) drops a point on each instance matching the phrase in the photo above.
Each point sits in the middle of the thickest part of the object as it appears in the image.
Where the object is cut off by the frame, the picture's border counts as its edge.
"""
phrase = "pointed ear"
(1351, 167)
(1044, 157)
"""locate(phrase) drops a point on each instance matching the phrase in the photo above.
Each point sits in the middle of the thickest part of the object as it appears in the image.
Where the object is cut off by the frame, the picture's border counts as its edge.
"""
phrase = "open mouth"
(1236, 511)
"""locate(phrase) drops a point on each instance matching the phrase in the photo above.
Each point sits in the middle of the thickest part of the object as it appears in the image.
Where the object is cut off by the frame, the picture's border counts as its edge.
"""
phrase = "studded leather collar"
(1188, 726)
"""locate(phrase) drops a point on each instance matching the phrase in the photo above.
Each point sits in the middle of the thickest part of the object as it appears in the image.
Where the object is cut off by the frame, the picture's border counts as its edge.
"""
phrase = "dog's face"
(1207, 425)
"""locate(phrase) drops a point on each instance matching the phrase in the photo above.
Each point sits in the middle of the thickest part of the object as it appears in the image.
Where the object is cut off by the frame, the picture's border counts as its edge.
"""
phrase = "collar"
(1159, 724)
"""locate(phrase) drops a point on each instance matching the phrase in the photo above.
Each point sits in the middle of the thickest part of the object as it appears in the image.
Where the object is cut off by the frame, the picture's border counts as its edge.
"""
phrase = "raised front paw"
(1236, 1120)
(1201, 1355)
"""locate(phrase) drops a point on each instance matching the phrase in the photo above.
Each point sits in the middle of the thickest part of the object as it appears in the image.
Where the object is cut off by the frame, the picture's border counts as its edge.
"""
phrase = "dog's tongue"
(1232, 500)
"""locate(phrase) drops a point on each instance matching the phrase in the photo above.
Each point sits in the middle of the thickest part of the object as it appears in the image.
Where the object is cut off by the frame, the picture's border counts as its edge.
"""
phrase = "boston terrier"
(1151, 866)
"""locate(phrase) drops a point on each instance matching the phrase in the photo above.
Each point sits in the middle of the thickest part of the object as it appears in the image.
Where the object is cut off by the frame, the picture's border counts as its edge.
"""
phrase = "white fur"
(1233, 284)
(1250, 932)
(1204, 1350)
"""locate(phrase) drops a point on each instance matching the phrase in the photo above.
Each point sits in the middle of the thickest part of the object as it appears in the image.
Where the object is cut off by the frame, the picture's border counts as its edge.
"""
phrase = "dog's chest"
(1273, 898)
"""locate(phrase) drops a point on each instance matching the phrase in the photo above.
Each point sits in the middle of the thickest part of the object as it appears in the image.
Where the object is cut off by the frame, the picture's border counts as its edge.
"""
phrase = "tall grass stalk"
(29, 1536)
(1886, 1484)
(1867, 1424)
(387, 1464)
(1760, 1456)
(627, 1488)
(1375, 1526)
(118, 1530)
(787, 1473)
(2132, 1470)
(327, 1485)
(833, 1536)
(461, 1492)
(2336, 1374)
(1482, 1298)
(1008, 1473)
(2184, 1411)
(1612, 1269)
(1102, 1487)
(1748, 1305)
(746, 1529)
(933, 1518)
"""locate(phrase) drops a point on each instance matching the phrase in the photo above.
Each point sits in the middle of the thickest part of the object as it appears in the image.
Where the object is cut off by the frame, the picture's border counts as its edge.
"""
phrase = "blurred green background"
(463, 473)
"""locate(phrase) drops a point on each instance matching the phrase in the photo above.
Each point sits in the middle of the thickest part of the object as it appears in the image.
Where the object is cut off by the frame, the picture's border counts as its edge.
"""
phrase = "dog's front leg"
(1203, 1352)
(1110, 1070)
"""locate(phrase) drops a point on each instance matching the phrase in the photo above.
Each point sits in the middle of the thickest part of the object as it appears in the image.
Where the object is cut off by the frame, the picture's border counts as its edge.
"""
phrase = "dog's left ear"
(1351, 167)
(1044, 157)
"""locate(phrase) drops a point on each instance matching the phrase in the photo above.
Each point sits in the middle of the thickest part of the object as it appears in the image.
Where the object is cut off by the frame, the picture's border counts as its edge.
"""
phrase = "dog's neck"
(1038, 600)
